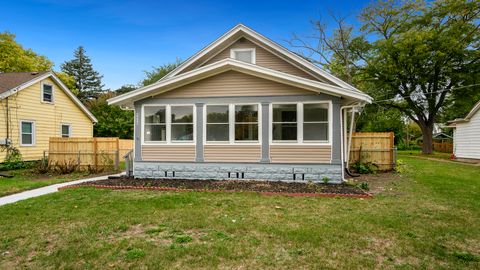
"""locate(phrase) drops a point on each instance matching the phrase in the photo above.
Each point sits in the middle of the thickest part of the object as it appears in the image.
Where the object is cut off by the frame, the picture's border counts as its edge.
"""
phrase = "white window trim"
(231, 125)
(33, 132)
(168, 118)
(254, 57)
(53, 93)
(300, 123)
(69, 129)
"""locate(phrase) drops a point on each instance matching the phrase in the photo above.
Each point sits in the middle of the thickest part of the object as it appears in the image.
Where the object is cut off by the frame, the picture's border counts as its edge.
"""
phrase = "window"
(27, 131)
(244, 55)
(284, 122)
(47, 93)
(315, 122)
(217, 123)
(66, 131)
(182, 123)
(246, 122)
(155, 124)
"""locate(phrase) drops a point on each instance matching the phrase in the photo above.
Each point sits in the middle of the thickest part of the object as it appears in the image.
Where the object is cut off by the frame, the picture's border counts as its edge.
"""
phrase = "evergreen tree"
(87, 80)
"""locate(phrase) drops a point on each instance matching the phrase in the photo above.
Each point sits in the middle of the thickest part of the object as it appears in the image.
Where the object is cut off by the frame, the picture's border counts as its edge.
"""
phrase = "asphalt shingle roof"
(13, 79)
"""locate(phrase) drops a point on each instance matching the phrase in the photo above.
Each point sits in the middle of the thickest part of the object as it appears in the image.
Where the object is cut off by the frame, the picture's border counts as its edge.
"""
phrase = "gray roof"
(13, 79)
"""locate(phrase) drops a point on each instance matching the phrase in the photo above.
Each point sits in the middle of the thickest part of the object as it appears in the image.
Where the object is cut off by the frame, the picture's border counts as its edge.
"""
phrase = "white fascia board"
(62, 86)
(230, 64)
(266, 41)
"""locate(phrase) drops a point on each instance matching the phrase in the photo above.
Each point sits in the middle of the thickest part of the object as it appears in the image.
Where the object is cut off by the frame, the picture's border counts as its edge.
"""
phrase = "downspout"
(343, 126)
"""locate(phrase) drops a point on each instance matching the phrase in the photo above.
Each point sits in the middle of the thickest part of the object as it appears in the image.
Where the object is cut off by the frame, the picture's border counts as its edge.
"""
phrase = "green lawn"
(419, 154)
(427, 219)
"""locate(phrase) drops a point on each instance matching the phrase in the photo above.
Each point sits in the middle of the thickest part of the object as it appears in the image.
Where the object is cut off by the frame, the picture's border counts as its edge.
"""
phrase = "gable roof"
(11, 79)
(467, 118)
(13, 82)
(235, 65)
(241, 30)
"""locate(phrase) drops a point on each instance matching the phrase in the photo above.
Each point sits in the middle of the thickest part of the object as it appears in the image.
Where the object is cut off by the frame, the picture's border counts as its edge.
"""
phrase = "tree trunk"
(427, 133)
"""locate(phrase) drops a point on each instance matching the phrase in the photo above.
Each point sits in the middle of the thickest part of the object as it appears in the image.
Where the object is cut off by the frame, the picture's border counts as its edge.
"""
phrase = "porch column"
(265, 132)
(137, 133)
(336, 132)
(199, 132)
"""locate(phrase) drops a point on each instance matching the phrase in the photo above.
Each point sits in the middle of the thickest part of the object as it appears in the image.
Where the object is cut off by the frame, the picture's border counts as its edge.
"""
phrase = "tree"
(375, 118)
(14, 58)
(68, 81)
(125, 89)
(159, 72)
(112, 120)
(87, 80)
(413, 55)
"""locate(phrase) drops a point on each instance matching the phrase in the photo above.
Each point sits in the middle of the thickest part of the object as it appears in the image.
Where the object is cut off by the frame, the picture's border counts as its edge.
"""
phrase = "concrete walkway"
(45, 190)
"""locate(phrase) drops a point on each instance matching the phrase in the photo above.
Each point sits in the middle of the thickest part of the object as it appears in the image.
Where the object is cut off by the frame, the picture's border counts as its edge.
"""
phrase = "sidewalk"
(45, 190)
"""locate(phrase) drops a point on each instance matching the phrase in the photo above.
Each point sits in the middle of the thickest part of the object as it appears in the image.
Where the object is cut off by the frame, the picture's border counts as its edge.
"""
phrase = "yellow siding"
(168, 152)
(232, 153)
(233, 84)
(27, 105)
(300, 154)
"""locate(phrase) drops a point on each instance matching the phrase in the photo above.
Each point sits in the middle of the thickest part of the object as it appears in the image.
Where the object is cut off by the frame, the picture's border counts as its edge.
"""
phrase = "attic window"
(244, 55)
(47, 93)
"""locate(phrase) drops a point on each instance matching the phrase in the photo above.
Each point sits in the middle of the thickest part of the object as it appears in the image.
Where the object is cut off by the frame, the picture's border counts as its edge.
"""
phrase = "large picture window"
(217, 123)
(155, 122)
(246, 122)
(182, 123)
(315, 122)
(284, 122)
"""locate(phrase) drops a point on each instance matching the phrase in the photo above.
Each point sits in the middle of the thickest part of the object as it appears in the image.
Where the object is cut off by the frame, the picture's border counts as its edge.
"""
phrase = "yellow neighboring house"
(35, 106)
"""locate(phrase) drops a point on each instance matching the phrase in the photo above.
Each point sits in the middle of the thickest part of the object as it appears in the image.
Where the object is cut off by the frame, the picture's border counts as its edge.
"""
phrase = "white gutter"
(343, 116)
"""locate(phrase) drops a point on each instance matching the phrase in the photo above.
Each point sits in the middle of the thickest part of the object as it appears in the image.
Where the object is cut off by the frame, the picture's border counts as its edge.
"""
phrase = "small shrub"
(13, 160)
(365, 168)
(65, 167)
(400, 166)
(325, 180)
(364, 186)
(42, 166)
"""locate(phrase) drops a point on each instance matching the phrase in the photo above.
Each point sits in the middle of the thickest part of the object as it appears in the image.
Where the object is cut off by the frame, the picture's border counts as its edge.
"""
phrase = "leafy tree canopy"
(14, 58)
(159, 72)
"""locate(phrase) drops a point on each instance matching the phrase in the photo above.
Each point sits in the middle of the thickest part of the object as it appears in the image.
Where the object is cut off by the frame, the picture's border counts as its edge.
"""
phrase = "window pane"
(246, 132)
(246, 113)
(27, 138)
(154, 114)
(26, 127)
(182, 114)
(217, 132)
(183, 132)
(315, 112)
(315, 132)
(284, 112)
(65, 131)
(284, 132)
(47, 93)
(217, 114)
(155, 133)
(245, 56)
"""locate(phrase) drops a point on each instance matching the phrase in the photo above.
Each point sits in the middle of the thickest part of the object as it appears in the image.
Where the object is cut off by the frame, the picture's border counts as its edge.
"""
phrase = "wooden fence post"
(95, 156)
(117, 155)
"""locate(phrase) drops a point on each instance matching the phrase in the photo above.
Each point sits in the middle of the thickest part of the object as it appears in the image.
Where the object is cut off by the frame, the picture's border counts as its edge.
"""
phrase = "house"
(243, 107)
(466, 135)
(35, 106)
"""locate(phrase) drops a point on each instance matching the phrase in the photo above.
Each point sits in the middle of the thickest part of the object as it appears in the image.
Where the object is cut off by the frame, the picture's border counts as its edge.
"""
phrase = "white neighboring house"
(466, 135)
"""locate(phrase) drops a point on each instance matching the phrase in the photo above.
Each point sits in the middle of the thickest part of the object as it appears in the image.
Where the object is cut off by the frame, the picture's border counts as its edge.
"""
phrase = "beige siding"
(300, 154)
(232, 153)
(264, 58)
(168, 153)
(231, 84)
(27, 105)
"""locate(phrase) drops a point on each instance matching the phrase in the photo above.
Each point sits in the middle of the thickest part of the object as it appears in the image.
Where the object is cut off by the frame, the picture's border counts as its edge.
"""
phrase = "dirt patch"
(265, 187)
(378, 183)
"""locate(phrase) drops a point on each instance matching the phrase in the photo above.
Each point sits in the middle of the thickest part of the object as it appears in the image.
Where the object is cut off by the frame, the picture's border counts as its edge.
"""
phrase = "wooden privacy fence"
(445, 147)
(84, 152)
(374, 147)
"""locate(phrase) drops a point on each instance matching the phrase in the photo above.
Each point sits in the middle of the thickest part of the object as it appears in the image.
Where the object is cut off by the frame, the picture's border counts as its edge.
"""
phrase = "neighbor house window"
(155, 124)
(66, 131)
(246, 122)
(27, 131)
(218, 123)
(244, 55)
(315, 122)
(182, 123)
(47, 93)
(284, 122)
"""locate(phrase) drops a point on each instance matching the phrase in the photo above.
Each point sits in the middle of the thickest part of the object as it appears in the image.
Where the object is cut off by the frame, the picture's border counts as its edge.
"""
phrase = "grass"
(427, 219)
(418, 153)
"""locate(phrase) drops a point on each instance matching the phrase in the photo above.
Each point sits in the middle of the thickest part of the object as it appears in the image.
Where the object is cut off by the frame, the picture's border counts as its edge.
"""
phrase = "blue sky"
(124, 38)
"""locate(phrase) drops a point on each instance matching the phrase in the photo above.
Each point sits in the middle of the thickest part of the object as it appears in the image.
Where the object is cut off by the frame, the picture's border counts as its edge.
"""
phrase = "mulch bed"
(262, 187)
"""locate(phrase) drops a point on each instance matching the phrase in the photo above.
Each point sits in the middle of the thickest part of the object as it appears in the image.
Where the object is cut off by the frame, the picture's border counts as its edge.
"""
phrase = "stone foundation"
(224, 171)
